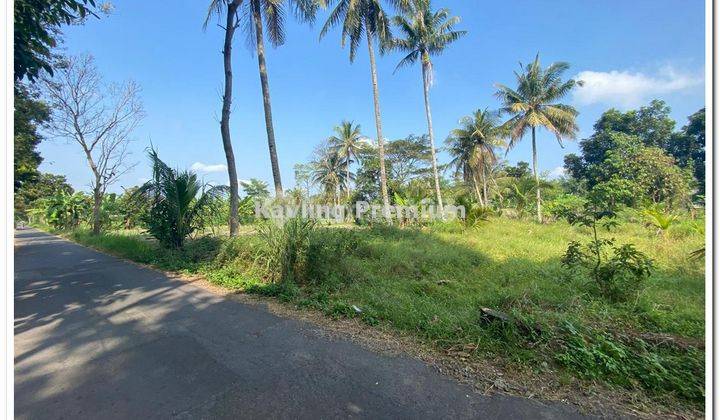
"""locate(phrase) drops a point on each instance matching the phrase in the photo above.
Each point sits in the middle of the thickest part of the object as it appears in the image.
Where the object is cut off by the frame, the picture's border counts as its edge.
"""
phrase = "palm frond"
(425, 32)
(274, 15)
(215, 8)
(533, 102)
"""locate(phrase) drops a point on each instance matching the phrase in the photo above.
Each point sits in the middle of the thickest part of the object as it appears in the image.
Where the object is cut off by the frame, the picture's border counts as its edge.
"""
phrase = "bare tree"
(98, 117)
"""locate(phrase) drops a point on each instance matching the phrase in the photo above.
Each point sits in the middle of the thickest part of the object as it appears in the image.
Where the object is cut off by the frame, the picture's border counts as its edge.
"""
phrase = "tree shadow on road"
(97, 337)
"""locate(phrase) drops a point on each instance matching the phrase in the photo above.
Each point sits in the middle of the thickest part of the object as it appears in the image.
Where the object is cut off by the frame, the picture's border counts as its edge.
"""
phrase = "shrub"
(618, 271)
(327, 252)
(178, 199)
(658, 218)
(66, 211)
(476, 215)
(284, 247)
(110, 215)
(617, 274)
(598, 355)
(565, 203)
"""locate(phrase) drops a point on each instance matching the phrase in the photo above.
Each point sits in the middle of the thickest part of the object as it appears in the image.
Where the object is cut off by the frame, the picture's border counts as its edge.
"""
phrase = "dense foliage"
(66, 211)
(615, 294)
(177, 199)
(617, 271)
(636, 159)
(37, 24)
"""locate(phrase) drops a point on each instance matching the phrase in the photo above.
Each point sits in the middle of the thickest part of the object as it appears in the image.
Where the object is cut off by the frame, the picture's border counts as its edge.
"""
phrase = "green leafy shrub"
(178, 199)
(246, 210)
(617, 271)
(133, 208)
(618, 274)
(632, 362)
(110, 212)
(659, 219)
(563, 204)
(476, 215)
(65, 211)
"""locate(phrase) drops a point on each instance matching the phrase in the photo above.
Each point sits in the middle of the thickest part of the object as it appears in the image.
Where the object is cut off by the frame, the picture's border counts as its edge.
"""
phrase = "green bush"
(619, 275)
(563, 204)
(598, 355)
(659, 219)
(284, 247)
(178, 200)
(65, 211)
(476, 215)
(327, 253)
(617, 271)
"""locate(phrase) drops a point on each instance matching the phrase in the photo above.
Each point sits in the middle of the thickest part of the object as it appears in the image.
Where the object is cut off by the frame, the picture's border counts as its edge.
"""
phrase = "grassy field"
(432, 281)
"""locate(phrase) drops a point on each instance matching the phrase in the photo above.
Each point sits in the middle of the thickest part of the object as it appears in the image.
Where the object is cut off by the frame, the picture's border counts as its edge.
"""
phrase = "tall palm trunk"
(230, 27)
(426, 90)
(537, 178)
(260, 45)
(347, 177)
(483, 177)
(477, 191)
(378, 123)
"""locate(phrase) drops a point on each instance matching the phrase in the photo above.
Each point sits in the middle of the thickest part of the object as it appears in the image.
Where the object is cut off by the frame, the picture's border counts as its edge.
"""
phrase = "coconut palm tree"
(256, 16)
(273, 12)
(347, 142)
(472, 147)
(534, 103)
(426, 33)
(232, 22)
(328, 172)
(358, 18)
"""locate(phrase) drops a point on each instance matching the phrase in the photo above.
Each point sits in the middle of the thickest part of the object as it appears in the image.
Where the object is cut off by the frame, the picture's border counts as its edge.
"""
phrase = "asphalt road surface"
(98, 337)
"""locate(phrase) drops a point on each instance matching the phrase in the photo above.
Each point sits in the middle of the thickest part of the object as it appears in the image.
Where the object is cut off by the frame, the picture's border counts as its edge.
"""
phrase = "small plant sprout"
(659, 219)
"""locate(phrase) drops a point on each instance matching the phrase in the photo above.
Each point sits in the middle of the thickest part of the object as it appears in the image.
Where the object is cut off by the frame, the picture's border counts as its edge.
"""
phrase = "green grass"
(432, 282)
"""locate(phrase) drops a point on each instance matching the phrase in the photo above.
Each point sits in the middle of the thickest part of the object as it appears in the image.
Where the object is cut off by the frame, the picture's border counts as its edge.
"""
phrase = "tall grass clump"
(284, 247)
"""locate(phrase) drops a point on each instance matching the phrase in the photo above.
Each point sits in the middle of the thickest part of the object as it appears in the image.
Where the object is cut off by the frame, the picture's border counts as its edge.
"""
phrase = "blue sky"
(627, 52)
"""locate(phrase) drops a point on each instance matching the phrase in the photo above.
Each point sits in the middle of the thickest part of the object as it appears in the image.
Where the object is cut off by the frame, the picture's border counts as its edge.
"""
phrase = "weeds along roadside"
(432, 282)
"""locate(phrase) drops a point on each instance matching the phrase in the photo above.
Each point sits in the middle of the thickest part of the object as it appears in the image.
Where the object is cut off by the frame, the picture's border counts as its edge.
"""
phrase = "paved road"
(97, 337)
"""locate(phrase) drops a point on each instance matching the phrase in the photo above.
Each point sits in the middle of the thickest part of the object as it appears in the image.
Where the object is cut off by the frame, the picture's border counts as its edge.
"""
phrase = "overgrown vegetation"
(432, 281)
(177, 201)
(617, 271)
(624, 307)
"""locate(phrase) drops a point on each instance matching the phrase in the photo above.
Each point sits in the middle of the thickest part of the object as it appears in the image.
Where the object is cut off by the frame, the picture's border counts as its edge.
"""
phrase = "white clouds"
(557, 172)
(205, 168)
(626, 89)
